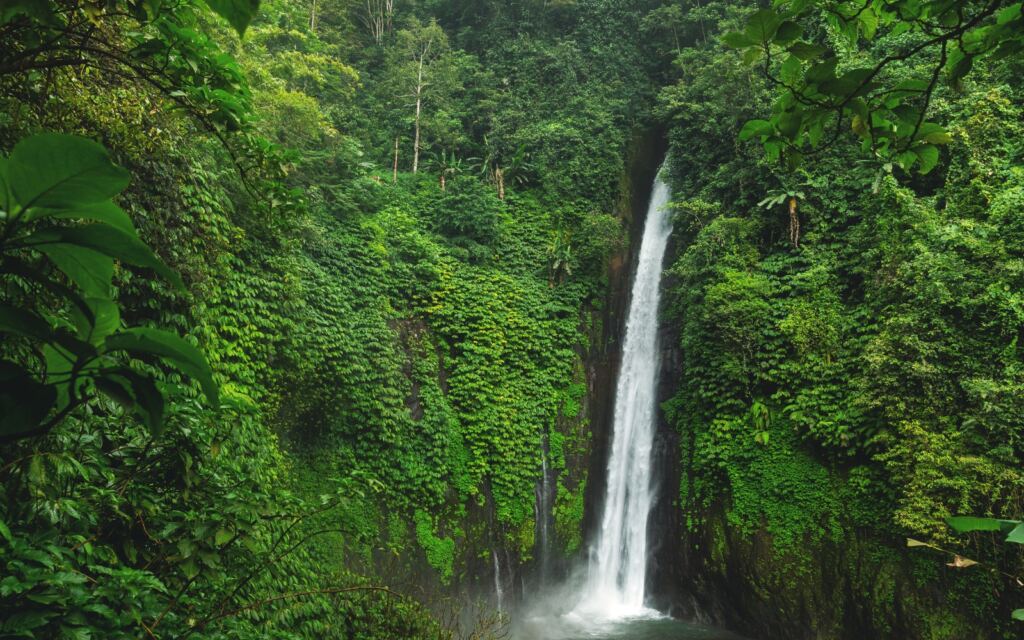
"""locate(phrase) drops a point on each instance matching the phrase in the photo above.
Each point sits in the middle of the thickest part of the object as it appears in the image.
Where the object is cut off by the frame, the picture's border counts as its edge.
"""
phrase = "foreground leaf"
(57, 170)
(169, 347)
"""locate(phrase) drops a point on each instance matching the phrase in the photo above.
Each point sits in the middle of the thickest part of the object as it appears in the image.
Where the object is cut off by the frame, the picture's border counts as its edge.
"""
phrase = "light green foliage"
(884, 344)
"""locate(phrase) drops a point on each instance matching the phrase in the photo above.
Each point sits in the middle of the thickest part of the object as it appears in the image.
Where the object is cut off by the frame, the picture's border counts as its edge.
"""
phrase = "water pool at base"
(625, 629)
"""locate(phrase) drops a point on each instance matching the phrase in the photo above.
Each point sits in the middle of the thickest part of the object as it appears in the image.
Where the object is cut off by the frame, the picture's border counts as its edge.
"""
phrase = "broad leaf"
(755, 128)
(106, 319)
(762, 25)
(25, 271)
(169, 347)
(1017, 535)
(110, 241)
(24, 401)
(106, 212)
(91, 270)
(738, 40)
(967, 524)
(138, 393)
(56, 170)
(237, 12)
(22, 323)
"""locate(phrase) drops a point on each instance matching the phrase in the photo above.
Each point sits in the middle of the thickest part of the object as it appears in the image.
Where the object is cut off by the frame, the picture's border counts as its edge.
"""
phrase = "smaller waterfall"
(499, 592)
(543, 514)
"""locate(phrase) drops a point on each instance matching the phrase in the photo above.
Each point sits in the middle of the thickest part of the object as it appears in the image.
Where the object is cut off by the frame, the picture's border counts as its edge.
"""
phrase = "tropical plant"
(61, 235)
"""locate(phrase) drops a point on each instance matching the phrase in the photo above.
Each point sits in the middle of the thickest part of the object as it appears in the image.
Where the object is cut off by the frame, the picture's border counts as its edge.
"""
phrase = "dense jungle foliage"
(299, 298)
(381, 226)
(848, 302)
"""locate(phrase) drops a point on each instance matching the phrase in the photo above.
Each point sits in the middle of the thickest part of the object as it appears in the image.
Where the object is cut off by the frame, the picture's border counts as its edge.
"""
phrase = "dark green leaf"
(237, 12)
(91, 270)
(138, 393)
(737, 40)
(170, 347)
(761, 26)
(106, 212)
(110, 241)
(1017, 535)
(787, 32)
(57, 170)
(20, 322)
(806, 51)
(106, 319)
(24, 401)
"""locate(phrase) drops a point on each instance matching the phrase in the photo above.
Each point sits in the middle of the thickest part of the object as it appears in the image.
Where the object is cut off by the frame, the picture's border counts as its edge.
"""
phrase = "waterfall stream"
(610, 604)
(618, 570)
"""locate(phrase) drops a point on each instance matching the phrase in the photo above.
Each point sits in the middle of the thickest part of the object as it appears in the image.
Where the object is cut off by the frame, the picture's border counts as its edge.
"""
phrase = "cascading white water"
(618, 570)
(499, 592)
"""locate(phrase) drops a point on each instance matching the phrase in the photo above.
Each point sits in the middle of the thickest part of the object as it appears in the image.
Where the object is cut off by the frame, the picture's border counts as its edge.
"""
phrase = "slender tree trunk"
(499, 177)
(419, 110)
(394, 170)
(313, 17)
(442, 181)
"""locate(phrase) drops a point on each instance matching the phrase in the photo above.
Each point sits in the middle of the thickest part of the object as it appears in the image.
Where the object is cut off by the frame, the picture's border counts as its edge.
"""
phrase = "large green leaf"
(24, 401)
(755, 128)
(107, 240)
(57, 170)
(1017, 535)
(20, 322)
(237, 12)
(105, 320)
(929, 156)
(106, 212)
(5, 191)
(31, 274)
(967, 524)
(169, 347)
(91, 270)
(138, 393)
(762, 25)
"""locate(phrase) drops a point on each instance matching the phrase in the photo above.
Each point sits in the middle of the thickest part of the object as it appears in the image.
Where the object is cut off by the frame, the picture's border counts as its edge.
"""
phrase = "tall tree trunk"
(419, 110)
(499, 177)
(394, 170)
(313, 18)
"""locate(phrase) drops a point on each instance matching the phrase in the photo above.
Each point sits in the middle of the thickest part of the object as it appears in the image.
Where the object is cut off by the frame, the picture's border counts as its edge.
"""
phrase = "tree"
(378, 18)
(418, 65)
(826, 85)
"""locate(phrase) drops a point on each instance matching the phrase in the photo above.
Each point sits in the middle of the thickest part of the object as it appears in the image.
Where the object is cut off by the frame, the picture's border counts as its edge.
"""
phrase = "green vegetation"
(295, 295)
(379, 231)
(850, 328)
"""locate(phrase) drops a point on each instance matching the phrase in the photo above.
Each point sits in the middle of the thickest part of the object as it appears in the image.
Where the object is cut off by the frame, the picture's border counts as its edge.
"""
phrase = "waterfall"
(499, 593)
(543, 513)
(618, 569)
